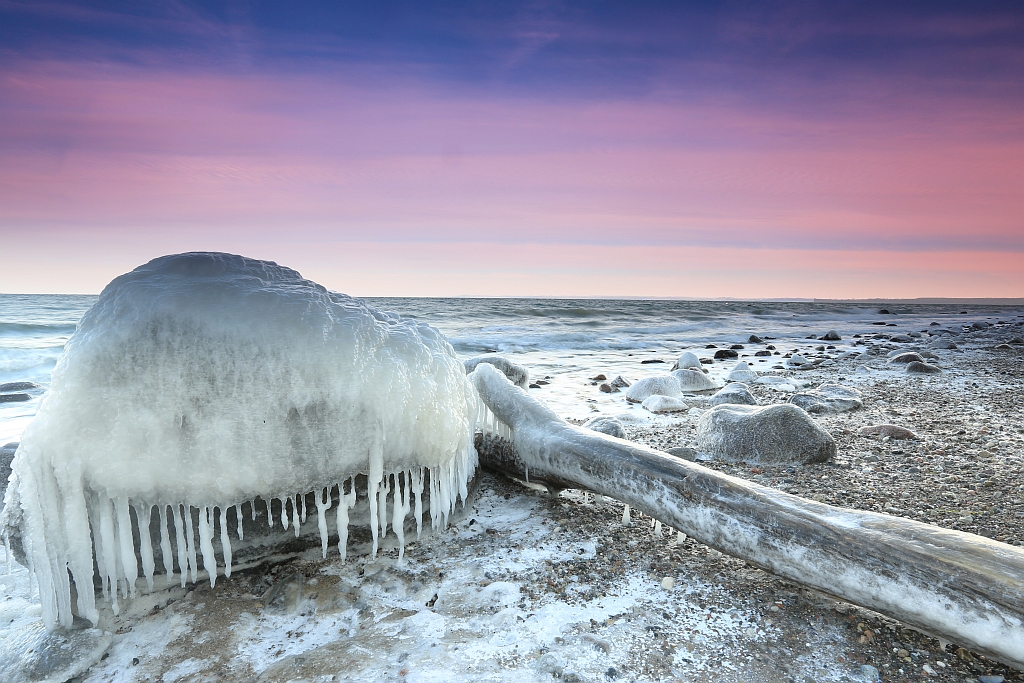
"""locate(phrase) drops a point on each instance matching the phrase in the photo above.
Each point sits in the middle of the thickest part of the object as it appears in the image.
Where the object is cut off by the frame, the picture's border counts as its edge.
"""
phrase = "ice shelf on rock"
(203, 381)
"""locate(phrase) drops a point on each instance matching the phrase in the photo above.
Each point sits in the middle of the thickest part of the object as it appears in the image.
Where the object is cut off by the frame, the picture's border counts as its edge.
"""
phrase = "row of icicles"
(113, 536)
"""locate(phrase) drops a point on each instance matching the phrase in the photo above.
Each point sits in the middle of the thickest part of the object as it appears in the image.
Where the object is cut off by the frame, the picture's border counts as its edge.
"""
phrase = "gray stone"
(665, 385)
(606, 425)
(901, 338)
(516, 374)
(921, 367)
(890, 430)
(726, 353)
(867, 674)
(906, 357)
(620, 382)
(693, 381)
(18, 386)
(607, 388)
(831, 335)
(781, 433)
(736, 393)
(683, 452)
(14, 398)
(687, 360)
(742, 372)
(664, 404)
(828, 398)
(754, 339)
(797, 361)
(33, 655)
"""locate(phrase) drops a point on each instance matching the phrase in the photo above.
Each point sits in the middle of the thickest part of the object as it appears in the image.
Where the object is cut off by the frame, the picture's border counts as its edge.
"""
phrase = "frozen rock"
(922, 367)
(665, 385)
(620, 382)
(14, 398)
(754, 339)
(664, 404)
(687, 360)
(31, 654)
(726, 353)
(901, 338)
(200, 382)
(742, 372)
(736, 393)
(778, 383)
(694, 381)
(831, 335)
(18, 386)
(684, 452)
(516, 374)
(606, 425)
(887, 430)
(906, 357)
(828, 398)
(781, 433)
(797, 361)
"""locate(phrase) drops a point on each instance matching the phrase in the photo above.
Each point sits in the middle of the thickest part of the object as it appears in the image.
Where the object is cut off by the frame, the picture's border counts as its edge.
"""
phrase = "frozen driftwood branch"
(953, 585)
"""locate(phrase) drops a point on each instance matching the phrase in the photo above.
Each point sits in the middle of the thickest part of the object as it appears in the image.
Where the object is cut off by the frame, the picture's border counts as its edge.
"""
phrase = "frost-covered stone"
(887, 430)
(797, 361)
(606, 425)
(665, 385)
(199, 382)
(664, 404)
(687, 360)
(736, 393)
(517, 374)
(741, 372)
(922, 368)
(906, 357)
(694, 380)
(831, 335)
(828, 398)
(781, 433)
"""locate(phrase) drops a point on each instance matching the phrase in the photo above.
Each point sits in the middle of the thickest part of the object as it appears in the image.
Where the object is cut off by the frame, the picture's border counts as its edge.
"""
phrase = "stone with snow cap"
(741, 372)
(516, 373)
(694, 380)
(664, 404)
(687, 360)
(606, 425)
(828, 398)
(736, 393)
(199, 382)
(665, 385)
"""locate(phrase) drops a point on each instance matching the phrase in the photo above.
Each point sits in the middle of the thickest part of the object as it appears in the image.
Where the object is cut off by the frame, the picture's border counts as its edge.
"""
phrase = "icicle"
(417, 489)
(206, 544)
(527, 468)
(345, 501)
(238, 519)
(225, 542)
(302, 509)
(295, 515)
(284, 513)
(252, 510)
(680, 537)
(373, 491)
(7, 553)
(625, 516)
(190, 543)
(127, 543)
(657, 528)
(109, 553)
(179, 536)
(382, 514)
(165, 547)
(401, 506)
(270, 516)
(144, 515)
(321, 521)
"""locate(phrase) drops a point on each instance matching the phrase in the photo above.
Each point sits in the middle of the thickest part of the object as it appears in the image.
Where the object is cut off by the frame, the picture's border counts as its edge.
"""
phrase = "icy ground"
(522, 587)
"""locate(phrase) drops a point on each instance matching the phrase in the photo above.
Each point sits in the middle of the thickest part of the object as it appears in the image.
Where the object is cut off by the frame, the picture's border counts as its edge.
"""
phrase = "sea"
(563, 342)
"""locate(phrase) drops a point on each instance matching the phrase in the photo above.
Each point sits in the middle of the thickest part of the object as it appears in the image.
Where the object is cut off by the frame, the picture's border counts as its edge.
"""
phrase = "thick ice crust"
(209, 379)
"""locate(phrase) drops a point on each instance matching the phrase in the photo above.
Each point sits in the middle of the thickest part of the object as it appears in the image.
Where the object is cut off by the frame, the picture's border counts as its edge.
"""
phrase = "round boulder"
(664, 404)
(923, 368)
(831, 335)
(606, 425)
(828, 398)
(907, 357)
(736, 393)
(742, 372)
(781, 433)
(664, 385)
(693, 381)
(687, 360)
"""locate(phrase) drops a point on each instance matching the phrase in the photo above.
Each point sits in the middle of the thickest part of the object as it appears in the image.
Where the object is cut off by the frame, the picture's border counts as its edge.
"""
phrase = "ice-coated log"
(203, 381)
(516, 373)
(958, 586)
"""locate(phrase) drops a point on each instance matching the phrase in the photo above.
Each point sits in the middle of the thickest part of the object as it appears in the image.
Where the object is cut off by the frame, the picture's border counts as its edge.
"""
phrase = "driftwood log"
(952, 585)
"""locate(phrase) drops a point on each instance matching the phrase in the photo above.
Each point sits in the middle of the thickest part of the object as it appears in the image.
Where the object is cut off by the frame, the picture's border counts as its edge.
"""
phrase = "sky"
(571, 149)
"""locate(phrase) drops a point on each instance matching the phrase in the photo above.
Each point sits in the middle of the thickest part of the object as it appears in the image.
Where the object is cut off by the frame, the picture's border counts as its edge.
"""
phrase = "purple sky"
(587, 149)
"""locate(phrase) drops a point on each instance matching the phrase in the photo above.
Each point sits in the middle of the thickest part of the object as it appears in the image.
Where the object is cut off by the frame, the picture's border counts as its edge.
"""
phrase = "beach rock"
(726, 353)
(607, 388)
(781, 433)
(684, 453)
(892, 431)
(778, 383)
(742, 372)
(945, 345)
(1004, 347)
(797, 361)
(906, 357)
(831, 335)
(687, 360)
(620, 382)
(598, 378)
(980, 325)
(14, 398)
(31, 654)
(606, 425)
(923, 368)
(763, 353)
(737, 347)
(664, 385)
(664, 404)
(18, 386)
(693, 380)
(828, 398)
(651, 360)
(901, 338)
(754, 339)
(736, 393)
(516, 374)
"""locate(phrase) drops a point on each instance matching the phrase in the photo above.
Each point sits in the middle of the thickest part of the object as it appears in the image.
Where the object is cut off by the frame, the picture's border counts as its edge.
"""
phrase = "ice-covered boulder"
(199, 383)
(687, 360)
(665, 385)
(922, 368)
(798, 361)
(606, 425)
(781, 433)
(694, 381)
(736, 393)
(741, 372)
(828, 398)
(664, 404)
(516, 374)
(906, 357)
